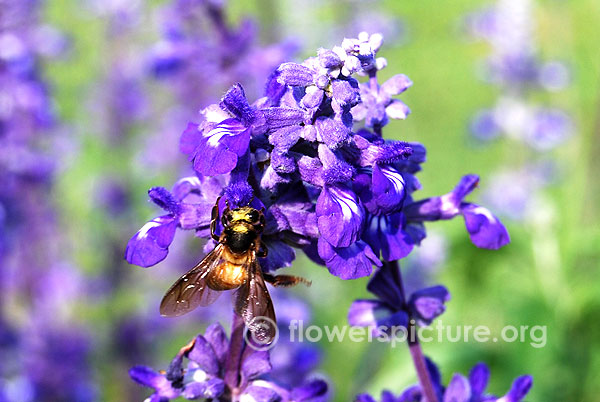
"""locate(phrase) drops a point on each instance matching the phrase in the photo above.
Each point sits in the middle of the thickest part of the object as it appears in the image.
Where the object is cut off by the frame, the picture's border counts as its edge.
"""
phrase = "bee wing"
(254, 305)
(191, 290)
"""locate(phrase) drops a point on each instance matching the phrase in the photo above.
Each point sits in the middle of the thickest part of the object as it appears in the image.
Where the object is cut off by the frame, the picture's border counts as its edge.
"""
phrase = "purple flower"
(460, 388)
(390, 311)
(186, 208)
(206, 355)
(485, 230)
(389, 236)
(216, 146)
(428, 304)
(206, 376)
(377, 105)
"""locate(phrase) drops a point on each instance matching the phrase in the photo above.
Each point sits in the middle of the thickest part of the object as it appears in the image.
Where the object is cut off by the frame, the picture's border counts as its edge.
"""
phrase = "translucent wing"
(191, 290)
(254, 305)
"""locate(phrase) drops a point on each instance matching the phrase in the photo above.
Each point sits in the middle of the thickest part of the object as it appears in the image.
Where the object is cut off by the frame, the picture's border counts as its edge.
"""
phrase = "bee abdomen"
(228, 276)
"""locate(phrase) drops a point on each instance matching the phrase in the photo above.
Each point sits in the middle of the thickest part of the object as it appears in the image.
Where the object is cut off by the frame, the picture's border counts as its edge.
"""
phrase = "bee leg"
(285, 280)
(262, 251)
(225, 212)
(214, 215)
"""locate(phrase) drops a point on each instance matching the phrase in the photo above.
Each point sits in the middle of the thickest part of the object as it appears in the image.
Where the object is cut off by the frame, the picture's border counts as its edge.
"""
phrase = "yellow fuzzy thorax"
(241, 228)
(241, 215)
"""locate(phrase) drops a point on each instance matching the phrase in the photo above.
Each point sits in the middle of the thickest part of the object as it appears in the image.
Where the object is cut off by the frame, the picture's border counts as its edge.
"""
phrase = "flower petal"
(313, 391)
(396, 84)
(388, 190)
(216, 336)
(255, 393)
(428, 304)
(280, 255)
(295, 75)
(478, 378)
(386, 236)
(339, 215)
(255, 365)
(146, 376)
(365, 313)
(485, 230)
(351, 262)
(458, 390)
(164, 199)
(519, 389)
(190, 139)
(150, 245)
(204, 355)
(397, 110)
(220, 147)
(212, 388)
(235, 102)
(385, 284)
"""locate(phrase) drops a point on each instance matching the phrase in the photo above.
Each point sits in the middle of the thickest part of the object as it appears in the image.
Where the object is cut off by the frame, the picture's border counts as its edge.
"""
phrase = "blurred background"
(94, 95)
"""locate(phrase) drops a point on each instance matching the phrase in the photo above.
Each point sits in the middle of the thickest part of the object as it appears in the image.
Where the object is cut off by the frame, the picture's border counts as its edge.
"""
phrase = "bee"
(232, 264)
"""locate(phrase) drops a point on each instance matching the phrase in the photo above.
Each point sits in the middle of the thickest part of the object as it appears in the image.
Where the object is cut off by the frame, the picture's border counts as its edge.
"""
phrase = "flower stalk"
(234, 357)
(416, 353)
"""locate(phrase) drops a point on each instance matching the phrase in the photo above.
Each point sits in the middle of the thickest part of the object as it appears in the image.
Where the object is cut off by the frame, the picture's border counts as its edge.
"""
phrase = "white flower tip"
(348, 45)
(380, 63)
(376, 40)
(363, 36)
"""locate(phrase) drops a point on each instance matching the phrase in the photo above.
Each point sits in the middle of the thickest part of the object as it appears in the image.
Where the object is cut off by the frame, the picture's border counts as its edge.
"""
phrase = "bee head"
(244, 215)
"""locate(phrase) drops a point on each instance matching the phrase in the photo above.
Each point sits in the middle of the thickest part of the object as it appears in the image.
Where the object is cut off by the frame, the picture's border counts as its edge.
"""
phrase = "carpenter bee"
(232, 264)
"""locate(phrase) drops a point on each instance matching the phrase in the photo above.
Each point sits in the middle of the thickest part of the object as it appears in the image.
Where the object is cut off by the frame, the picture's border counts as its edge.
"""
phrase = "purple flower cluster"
(216, 370)
(460, 388)
(340, 192)
(515, 67)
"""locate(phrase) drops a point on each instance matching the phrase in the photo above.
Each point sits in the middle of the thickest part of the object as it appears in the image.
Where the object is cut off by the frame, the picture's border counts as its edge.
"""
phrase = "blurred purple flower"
(198, 57)
(515, 67)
